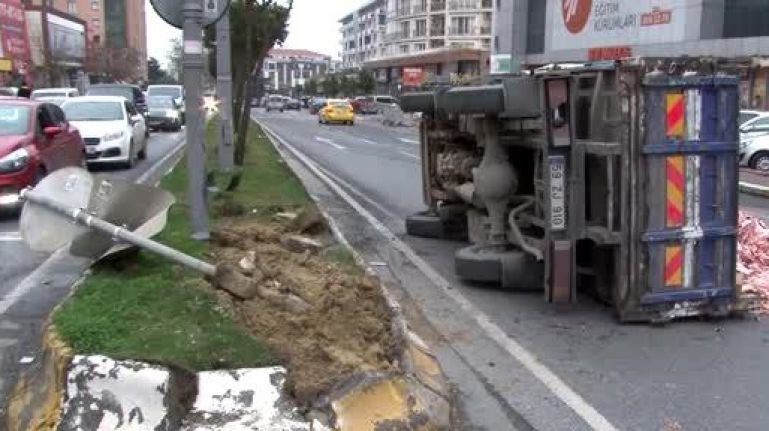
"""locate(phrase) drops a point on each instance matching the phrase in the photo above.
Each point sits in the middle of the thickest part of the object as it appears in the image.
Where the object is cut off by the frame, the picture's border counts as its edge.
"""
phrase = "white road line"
(10, 237)
(408, 141)
(407, 154)
(548, 378)
(368, 141)
(330, 142)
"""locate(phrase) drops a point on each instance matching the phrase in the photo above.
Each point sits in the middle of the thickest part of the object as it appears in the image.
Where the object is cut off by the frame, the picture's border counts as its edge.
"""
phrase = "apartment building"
(362, 34)
(419, 41)
(286, 70)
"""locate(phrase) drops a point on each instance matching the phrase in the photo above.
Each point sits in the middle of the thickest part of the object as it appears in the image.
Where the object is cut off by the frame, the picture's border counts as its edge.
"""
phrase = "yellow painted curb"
(35, 402)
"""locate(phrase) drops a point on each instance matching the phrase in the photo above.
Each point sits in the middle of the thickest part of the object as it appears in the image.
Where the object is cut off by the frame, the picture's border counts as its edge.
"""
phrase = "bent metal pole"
(82, 217)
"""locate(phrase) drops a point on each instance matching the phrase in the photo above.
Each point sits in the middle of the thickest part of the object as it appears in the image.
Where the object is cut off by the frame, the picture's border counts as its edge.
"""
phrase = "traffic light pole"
(193, 85)
(224, 90)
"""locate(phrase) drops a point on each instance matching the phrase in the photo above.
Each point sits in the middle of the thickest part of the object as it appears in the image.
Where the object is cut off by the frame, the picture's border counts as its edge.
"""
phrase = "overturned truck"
(614, 178)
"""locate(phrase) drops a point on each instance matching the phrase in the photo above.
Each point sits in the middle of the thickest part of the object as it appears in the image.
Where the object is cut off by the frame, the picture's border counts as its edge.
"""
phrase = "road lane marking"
(407, 154)
(368, 141)
(408, 141)
(529, 360)
(10, 237)
(330, 142)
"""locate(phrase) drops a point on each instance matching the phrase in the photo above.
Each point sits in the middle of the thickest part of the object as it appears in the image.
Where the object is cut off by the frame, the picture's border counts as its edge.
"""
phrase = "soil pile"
(753, 257)
(326, 324)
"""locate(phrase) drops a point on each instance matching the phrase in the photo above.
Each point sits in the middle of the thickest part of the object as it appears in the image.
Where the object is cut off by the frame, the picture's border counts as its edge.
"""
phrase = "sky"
(314, 25)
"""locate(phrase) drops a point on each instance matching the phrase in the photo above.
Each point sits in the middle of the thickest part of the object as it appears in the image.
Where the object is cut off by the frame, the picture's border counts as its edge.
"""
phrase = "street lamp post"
(224, 90)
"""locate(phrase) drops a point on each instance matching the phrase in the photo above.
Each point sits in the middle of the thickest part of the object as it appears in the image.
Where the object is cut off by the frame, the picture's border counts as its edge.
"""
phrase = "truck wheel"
(446, 224)
(509, 268)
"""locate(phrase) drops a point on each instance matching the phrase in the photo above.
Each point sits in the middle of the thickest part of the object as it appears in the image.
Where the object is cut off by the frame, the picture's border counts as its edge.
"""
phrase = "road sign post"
(193, 83)
(191, 16)
(224, 91)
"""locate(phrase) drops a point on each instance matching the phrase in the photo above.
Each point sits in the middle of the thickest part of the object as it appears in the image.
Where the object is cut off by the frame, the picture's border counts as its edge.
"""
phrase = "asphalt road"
(699, 375)
(22, 314)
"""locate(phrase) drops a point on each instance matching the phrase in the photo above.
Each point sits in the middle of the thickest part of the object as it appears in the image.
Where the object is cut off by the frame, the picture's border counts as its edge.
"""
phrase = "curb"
(35, 401)
(421, 396)
(753, 189)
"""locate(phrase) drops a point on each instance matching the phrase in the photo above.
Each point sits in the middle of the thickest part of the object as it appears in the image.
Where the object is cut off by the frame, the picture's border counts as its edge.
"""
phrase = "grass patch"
(156, 311)
(343, 257)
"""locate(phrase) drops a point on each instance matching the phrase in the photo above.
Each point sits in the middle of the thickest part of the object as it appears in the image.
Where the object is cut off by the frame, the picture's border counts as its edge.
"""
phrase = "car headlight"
(171, 113)
(113, 136)
(15, 161)
(745, 144)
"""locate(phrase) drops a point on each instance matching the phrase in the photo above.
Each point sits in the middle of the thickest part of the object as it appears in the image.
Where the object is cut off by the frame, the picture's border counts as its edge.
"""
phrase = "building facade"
(363, 33)
(536, 32)
(286, 71)
(419, 41)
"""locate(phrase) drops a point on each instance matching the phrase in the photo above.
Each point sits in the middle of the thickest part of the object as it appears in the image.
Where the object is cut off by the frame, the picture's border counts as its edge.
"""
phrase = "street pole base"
(201, 236)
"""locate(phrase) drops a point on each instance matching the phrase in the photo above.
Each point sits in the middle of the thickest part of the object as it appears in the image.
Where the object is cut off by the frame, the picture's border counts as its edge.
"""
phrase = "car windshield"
(160, 102)
(276, 99)
(340, 104)
(126, 92)
(746, 116)
(93, 111)
(14, 120)
(41, 94)
(174, 92)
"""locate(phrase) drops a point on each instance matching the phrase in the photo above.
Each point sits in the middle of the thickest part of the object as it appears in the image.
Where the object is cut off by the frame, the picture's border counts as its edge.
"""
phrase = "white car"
(754, 152)
(54, 95)
(753, 123)
(112, 128)
(174, 91)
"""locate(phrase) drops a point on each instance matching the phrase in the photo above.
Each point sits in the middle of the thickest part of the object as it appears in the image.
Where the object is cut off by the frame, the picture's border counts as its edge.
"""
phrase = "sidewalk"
(754, 182)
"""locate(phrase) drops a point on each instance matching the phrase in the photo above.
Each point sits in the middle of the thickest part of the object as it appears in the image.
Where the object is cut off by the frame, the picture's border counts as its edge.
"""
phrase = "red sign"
(609, 53)
(13, 32)
(657, 17)
(413, 76)
(576, 14)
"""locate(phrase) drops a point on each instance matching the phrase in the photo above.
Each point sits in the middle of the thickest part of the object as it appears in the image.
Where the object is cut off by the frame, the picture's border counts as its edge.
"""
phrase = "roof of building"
(295, 53)
(365, 8)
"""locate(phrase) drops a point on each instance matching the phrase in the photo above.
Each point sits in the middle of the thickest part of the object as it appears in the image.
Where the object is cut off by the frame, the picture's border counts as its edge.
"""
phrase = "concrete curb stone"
(753, 189)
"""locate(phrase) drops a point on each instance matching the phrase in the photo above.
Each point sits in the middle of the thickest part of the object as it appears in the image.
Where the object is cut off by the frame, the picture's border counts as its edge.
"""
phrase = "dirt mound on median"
(325, 323)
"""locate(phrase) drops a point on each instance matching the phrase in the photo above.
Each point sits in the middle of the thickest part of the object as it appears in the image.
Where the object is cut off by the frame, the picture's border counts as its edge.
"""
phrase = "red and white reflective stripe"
(692, 228)
(693, 114)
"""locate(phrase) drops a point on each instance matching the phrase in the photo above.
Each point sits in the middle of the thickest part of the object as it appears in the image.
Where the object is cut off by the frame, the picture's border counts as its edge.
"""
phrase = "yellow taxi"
(336, 111)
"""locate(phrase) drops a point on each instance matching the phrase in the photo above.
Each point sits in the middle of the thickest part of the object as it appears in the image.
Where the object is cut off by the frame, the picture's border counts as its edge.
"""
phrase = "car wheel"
(143, 152)
(147, 133)
(760, 161)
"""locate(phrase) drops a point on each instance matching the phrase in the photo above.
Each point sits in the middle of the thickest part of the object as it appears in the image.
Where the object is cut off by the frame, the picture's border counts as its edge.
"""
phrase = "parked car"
(35, 140)
(294, 104)
(174, 91)
(9, 91)
(132, 93)
(384, 102)
(754, 152)
(55, 95)
(316, 103)
(336, 111)
(276, 103)
(164, 113)
(113, 130)
(364, 105)
(753, 123)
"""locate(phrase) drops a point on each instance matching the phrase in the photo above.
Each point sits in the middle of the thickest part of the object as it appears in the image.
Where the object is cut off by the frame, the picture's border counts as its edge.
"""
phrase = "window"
(745, 116)
(760, 124)
(462, 25)
(421, 28)
(404, 49)
(14, 120)
(72, 6)
(419, 47)
(405, 29)
(95, 4)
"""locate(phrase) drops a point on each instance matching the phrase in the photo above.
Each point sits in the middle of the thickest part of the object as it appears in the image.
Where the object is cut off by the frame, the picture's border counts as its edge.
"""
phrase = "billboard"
(592, 24)
(66, 39)
(413, 76)
(13, 32)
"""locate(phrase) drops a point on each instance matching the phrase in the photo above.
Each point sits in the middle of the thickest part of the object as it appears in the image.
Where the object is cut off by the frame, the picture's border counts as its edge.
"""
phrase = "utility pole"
(192, 11)
(224, 90)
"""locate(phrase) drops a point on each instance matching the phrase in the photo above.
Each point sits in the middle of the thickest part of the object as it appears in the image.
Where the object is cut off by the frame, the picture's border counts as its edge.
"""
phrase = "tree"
(330, 86)
(175, 67)
(255, 27)
(311, 87)
(156, 74)
(348, 86)
(366, 82)
(113, 64)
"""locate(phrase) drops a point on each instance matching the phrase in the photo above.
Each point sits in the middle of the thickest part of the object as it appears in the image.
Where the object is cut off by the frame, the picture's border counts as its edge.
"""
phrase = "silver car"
(276, 103)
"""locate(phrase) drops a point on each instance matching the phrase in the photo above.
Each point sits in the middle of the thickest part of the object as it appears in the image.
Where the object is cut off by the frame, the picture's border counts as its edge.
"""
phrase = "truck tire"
(445, 225)
(509, 269)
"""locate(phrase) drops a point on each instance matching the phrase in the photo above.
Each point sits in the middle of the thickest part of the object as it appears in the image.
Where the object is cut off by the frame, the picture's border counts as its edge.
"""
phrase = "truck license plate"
(557, 193)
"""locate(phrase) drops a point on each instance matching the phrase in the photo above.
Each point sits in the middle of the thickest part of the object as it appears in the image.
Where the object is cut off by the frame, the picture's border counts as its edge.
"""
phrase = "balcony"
(407, 10)
(470, 5)
(437, 31)
(472, 31)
